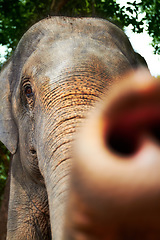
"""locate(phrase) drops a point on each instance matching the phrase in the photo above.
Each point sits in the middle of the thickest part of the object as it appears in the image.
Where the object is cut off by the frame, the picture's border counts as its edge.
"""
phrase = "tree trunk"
(56, 6)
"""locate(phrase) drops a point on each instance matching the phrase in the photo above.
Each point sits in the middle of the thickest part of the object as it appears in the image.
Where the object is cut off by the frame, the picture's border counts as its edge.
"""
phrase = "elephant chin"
(115, 184)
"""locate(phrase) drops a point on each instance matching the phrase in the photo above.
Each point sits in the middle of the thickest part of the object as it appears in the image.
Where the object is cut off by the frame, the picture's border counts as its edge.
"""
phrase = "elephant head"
(61, 68)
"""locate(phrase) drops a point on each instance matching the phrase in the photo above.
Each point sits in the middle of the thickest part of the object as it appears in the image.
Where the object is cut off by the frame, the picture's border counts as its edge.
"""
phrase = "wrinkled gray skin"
(59, 70)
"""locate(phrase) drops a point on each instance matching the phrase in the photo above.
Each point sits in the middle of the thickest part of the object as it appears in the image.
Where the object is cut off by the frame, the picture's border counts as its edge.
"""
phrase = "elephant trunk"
(55, 155)
(115, 183)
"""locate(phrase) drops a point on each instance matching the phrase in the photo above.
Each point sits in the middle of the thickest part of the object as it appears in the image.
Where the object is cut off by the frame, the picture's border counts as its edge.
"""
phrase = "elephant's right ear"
(8, 130)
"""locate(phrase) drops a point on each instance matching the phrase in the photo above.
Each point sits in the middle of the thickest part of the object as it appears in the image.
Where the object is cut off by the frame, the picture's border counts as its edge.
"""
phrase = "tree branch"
(57, 5)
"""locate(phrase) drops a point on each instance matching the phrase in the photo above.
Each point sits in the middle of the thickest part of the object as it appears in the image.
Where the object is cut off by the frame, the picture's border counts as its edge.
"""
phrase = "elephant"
(65, 74)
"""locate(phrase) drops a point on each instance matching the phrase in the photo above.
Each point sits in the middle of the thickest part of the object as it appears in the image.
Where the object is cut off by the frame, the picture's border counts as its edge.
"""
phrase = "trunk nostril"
(122, 143)
(155, 132)
(127, 132)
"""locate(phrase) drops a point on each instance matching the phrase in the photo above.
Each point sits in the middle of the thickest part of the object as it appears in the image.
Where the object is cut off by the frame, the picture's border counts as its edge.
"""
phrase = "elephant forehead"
(73, 67)
(50, 52)
(52, 59)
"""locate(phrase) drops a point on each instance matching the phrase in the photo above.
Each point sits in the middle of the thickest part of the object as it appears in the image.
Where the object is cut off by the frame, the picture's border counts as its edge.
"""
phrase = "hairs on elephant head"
(80, 114)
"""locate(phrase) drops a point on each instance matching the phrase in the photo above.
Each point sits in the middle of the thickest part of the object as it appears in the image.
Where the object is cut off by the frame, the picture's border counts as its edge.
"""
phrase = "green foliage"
(152, 18)
(16, 16)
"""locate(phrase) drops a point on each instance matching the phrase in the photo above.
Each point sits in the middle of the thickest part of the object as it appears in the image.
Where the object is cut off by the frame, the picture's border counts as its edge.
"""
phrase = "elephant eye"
(28, 91)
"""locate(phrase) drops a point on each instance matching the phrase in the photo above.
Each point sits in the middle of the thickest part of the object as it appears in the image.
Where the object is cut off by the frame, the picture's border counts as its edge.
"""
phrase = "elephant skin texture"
(74, 97)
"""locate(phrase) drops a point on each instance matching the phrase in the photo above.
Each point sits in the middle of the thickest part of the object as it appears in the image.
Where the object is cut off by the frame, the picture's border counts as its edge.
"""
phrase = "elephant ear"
(8, 130)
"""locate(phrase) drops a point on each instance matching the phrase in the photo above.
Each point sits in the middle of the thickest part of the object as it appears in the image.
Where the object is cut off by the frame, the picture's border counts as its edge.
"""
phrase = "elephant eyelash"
(25, 80)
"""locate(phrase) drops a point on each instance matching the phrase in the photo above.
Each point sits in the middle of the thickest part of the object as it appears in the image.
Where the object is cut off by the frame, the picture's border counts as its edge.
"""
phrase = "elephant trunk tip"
(115, 180)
